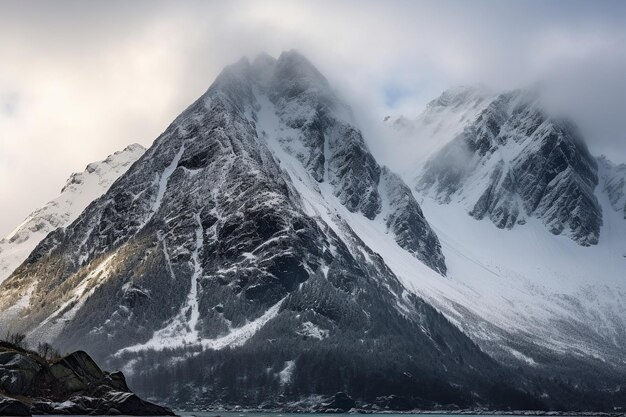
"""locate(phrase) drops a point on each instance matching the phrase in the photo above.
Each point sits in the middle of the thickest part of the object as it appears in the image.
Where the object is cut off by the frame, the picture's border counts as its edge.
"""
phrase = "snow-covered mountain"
(515, 162)
(532, 228)
(80, 190)
(242, 227)
(259, 253)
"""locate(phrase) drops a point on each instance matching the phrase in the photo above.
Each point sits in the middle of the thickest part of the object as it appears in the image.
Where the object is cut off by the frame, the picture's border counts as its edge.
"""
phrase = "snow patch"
(311, 330)
(237, 337)
(519, 355)
(163, 180)
(287, 372)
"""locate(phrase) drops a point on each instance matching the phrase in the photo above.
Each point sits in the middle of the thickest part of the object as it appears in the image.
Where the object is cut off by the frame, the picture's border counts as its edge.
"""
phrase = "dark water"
(271, 414)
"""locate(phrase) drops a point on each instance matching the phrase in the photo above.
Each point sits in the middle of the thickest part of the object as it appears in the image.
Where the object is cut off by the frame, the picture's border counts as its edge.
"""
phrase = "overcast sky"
(82, 79)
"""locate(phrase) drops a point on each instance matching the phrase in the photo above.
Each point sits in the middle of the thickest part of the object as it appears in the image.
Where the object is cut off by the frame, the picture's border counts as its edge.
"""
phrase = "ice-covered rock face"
(231, 219)
(514, 162)
(333, 149)
(80, 190)
(404, 217)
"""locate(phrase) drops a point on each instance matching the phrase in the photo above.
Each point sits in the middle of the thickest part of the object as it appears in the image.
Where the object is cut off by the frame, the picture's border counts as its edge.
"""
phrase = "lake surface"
(383, 414)
(273, 414)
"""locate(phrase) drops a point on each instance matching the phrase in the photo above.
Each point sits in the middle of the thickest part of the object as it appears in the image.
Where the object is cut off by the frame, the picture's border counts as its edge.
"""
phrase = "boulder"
(69, 408)
(339, 403)
(118, 380)
(41, 407)
(13, 407)
(395, 403)
(18, 372)
(72, 385)
(130, 404)
(77, 371)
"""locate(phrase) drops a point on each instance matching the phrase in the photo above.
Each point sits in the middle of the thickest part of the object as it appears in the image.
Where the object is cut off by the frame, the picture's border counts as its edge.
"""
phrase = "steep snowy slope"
(236, 230)
(527, 294)
(81, 189)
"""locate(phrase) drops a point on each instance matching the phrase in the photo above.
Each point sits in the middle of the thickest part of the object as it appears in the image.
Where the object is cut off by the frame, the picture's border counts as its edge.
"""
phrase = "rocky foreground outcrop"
(74, 384)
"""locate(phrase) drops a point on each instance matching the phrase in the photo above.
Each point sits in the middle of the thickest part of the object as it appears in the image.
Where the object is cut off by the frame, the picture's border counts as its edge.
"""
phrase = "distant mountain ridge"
(80, 190)
(513, 162)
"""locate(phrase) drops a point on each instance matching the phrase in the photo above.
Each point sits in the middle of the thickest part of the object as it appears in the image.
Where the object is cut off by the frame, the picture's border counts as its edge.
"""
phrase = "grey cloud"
(93, 76)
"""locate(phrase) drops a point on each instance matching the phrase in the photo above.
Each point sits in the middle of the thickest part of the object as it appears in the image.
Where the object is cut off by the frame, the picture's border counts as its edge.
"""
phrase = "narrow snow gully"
(163, 180)
(192, 299)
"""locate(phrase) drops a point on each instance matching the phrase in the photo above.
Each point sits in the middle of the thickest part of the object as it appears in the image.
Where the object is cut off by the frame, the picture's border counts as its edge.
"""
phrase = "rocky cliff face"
(515, 162)
(81, 189)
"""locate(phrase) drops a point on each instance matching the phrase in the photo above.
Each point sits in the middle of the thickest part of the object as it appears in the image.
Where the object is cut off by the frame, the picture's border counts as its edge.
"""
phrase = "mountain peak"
(295, 69)
(293, 55)
(227, 188)
(263, 68)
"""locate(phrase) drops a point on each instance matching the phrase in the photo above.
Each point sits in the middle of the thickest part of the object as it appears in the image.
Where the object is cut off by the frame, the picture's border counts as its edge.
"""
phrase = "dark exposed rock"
(12, 407)
(129, 403)
(73, 384)
(18, 372)
(76, 372)
(394, 402)
(71, 407)
(41, 407)
(339, 403)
